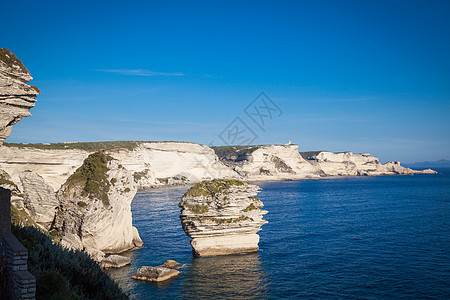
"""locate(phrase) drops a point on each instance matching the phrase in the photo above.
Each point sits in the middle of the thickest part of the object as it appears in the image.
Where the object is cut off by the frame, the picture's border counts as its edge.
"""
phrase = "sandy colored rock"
(39, 199)
(222, 217)
(100, 221)
(272, 162)
(16, 96)
(171, 264)
(155, 274)
(361, 164)
(115, 261)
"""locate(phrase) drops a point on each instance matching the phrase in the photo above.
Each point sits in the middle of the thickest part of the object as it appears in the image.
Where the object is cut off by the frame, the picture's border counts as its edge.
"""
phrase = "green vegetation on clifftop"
(89, 146)
(11, 60)
(212, 188)
(92, 177)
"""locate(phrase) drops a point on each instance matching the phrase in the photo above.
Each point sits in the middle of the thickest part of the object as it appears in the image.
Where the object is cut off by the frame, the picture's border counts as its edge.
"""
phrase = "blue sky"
(363, 76)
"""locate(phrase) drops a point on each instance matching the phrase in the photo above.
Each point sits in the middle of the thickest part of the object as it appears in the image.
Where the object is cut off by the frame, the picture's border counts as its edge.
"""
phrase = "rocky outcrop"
(362, 164)
(268, 162)
(155, 274)
(16, 97)
(167, 163)
(115, 261)
(39, 199)
(151, 163)
(160, 273)
(95, 207)
(222, 217)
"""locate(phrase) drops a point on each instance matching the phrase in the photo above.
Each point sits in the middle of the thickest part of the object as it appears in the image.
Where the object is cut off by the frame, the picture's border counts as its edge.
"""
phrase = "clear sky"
(361, 76)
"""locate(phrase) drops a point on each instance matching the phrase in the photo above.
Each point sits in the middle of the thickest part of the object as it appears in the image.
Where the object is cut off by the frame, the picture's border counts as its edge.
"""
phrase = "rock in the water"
(16, 96)
(222, 217)
(155, 274)
(115, 261)
(171, 264)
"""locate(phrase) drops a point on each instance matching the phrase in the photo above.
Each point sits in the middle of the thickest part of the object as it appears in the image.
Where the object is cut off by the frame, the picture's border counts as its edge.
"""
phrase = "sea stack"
(222, 217)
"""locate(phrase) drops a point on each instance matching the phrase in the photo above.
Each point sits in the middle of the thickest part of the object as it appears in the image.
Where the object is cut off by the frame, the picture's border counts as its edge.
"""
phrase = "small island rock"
(222, 217)
(171, 264)
(155, 274)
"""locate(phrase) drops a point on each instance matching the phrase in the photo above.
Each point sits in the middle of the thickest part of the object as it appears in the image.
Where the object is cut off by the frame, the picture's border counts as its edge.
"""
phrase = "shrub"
(198, 208)
(212, 188)
(82, 204)
(249, 208)
(62, 272)
(92, 177)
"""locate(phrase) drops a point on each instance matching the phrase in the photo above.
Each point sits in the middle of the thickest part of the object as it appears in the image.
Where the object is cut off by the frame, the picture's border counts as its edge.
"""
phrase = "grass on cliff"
(225, 152)
(88, 146)
(92, 177)
(10, 59)
(64, 274)
(212, 188)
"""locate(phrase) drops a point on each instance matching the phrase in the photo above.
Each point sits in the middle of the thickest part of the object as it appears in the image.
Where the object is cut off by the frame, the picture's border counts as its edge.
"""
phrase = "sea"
(385, 237)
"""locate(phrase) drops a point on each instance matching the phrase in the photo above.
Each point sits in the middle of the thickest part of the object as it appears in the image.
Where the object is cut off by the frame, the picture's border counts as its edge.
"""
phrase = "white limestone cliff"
(272, 162)
(362, 164)
(166, 163)
(222, 217)
(39, 199)
(94, 211)
(16, 97)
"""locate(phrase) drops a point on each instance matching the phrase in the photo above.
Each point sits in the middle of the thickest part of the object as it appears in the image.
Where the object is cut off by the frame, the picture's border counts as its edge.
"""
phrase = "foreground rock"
(160, 273)
(115, 261)
(16, 97)
(222, 217)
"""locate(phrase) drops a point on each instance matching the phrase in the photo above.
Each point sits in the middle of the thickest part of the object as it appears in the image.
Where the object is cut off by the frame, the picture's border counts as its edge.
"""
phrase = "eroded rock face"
(39, 199)
(169, 163)
(95, 207)
(222, 217)
(361, 164)
(16, 97)
(271, 162)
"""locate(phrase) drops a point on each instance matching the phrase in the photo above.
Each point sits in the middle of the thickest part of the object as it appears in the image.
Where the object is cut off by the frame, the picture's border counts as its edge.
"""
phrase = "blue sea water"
(337, 238)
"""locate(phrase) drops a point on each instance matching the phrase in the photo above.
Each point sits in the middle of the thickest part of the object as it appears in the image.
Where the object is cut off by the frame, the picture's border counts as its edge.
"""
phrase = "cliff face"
(222, 217)
(162, 163)
(16, 97)
(362, 164)
(94, 212)
(271, 162)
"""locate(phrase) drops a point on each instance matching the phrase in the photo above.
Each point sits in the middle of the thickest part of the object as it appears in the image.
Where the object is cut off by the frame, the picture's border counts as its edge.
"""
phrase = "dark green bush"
(212, 188)
(92, 177)
(63, 273)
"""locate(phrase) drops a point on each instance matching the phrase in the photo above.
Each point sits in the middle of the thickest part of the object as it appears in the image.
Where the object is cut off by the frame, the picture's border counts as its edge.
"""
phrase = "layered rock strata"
(222, 217)
(16, 96)
(269, 162)
(362, 164)
(94, 212)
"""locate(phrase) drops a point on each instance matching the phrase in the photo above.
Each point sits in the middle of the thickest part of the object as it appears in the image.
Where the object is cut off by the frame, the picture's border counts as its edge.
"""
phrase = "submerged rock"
(222, 217)
(155, 274)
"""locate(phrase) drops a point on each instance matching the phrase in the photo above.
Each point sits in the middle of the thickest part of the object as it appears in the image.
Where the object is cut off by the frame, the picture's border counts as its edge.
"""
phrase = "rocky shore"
(81, 193)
